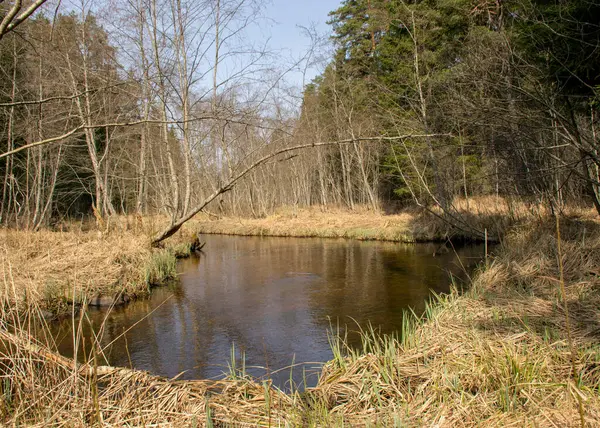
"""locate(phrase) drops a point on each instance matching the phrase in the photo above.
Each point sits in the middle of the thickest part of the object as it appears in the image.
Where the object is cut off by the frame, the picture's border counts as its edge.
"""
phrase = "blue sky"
(286, 16)
(289, 14)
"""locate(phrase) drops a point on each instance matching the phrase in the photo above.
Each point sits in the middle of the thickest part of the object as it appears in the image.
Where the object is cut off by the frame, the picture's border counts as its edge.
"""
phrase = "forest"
(422, 103)
(150, 120)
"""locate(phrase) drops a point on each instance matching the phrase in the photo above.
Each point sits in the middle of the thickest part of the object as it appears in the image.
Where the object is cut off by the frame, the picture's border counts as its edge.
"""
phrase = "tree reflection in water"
(275, 299)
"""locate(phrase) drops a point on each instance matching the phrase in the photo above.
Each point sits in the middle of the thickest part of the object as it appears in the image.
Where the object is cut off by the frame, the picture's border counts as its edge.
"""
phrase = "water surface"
(275, 300)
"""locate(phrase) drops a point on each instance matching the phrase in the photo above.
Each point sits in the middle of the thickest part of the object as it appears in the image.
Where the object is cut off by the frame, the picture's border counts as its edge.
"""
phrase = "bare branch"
(11, 20)
(173, 228)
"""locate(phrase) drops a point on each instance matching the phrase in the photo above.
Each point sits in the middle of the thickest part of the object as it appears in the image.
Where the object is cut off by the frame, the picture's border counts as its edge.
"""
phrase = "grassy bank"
(495, 356)
(56, 269)
(314, 222)
(497, 215)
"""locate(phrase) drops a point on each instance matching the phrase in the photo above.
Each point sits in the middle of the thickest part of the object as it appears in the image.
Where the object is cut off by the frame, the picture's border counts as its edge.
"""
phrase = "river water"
(273, 300)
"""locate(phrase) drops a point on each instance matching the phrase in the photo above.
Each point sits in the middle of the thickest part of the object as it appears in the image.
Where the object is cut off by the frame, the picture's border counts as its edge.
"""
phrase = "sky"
(285, 17)
(289, 14)
(280, 26)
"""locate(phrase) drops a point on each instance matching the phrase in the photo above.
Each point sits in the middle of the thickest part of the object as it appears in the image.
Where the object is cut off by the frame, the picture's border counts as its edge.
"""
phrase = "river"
(273, 300)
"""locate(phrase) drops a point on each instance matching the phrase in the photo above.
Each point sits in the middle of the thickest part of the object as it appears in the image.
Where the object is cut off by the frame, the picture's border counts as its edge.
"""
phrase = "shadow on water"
(275, 299)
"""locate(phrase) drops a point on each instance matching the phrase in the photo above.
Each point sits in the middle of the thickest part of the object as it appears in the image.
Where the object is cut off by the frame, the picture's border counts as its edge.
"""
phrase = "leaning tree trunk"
(176, 224)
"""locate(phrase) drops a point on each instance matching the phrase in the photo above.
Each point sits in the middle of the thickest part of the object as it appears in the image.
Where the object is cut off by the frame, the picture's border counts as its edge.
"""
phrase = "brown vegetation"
(494, 214)
(361, 224)
(496, 355)
(457, 101)
(55, 269)
(64, 393)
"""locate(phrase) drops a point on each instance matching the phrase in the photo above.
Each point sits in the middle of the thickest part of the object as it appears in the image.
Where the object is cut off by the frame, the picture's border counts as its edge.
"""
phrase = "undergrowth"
(58, 269)
(496, 355)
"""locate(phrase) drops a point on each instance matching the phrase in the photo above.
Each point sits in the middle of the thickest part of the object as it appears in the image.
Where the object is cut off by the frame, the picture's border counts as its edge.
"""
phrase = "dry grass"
(317, 222)
(49, 271)
(466, 220)
(54, 269)
(61, 267)
(495, 356)
(40, 388)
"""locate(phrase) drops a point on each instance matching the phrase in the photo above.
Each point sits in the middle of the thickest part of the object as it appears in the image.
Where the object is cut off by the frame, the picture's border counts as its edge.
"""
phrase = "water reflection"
(274, 298)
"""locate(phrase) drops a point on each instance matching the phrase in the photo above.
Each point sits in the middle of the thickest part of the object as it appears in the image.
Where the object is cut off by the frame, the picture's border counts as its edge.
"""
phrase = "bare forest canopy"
(421, 103)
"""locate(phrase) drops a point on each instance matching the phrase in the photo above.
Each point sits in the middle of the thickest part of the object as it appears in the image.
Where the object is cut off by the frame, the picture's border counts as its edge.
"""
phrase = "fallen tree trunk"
(28, 345)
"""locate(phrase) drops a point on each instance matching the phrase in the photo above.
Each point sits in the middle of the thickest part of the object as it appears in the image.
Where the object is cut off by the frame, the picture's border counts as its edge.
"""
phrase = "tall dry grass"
(361, 224)
(467, 220)
(38, 387)
(494, 356)
(55, 269)
(61, 271)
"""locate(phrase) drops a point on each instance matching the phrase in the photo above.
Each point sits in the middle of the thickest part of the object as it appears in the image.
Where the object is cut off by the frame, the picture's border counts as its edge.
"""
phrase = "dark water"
(274, 299)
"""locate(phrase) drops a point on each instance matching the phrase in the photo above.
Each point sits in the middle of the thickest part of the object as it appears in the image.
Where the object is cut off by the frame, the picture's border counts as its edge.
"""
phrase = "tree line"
(422, 102)
(507, 91)
(135, 118)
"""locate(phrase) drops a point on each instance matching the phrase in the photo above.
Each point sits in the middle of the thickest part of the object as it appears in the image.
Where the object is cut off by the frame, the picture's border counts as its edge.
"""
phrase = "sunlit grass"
(160, 267)
(495, 355)
(56, 269)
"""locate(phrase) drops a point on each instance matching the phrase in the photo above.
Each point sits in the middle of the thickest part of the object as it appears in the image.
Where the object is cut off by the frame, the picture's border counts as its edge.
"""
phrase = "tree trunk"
(146, 91)
(174, 199)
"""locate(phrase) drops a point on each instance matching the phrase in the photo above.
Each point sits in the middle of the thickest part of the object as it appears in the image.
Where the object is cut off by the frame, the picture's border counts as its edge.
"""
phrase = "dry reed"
(56, 269)
(495, 356)
(468, 219)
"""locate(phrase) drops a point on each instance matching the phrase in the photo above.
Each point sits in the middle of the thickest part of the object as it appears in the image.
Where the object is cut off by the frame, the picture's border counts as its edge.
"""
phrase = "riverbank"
(76, 263)
(498, 355)
(496, 215)
(316, 222)
(56, 269)
(494, 356)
